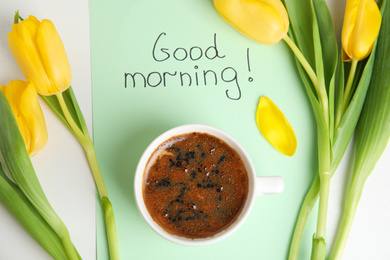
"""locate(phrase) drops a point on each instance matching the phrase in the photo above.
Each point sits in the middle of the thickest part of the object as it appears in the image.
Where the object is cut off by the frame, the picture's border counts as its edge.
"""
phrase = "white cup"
(258, 185)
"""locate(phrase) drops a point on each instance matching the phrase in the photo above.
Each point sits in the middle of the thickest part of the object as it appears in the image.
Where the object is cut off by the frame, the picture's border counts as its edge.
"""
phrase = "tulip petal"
(264, 21)
(54, 56)
(12, 92)
(33, 119)
(27, 29)
(274, 126)
(362, 21)
(28, 58)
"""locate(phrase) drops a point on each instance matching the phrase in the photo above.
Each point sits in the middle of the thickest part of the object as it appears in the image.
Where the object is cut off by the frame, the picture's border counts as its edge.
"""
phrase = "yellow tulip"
(274, 126)
(23, 99)
(40, 53)
(264, 21)
(362, 21)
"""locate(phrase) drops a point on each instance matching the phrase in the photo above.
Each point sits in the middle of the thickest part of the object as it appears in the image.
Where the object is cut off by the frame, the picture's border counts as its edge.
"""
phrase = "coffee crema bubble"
(195, 185)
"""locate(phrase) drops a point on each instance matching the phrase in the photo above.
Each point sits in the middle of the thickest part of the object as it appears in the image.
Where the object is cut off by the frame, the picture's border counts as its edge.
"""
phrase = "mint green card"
(160, 64)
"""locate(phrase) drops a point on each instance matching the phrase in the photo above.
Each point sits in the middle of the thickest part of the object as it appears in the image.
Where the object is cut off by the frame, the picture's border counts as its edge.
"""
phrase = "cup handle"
(266, 185)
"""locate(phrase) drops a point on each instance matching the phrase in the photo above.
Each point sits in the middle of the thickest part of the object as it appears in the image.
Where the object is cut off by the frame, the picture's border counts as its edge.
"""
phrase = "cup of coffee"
(195, 185)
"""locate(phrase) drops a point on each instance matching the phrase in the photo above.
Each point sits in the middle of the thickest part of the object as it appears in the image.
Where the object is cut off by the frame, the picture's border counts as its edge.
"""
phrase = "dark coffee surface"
(195, 185)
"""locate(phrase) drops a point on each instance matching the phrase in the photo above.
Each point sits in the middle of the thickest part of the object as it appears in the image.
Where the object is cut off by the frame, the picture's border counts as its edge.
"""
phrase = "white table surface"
(61, 167)
(64, 173)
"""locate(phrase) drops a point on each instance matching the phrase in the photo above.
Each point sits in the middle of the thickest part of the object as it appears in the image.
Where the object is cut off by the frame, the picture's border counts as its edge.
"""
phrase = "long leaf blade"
(373, 131)
(22, 210)
(19, 165)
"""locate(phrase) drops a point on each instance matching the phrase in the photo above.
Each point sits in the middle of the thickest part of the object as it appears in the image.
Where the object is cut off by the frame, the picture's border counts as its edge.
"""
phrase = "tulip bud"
(23, 99)
(264, 21)
(362, 21)
(40, 53)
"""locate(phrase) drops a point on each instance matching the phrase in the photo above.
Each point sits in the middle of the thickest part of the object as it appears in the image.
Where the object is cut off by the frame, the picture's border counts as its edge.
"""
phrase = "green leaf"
(316, 41)
(300, 15)
(15, 154)
(19, 206)
(373, 131)
(312, 31)
(301, 32)
(329, 54)
(21, 169)
(327, 37)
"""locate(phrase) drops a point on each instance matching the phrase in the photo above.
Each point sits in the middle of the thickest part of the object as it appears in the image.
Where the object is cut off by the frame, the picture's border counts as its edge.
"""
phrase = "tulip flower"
(362, 21)
(264, 21)
(23, 99)
(274, 126)
(361, 26)
(40, 53)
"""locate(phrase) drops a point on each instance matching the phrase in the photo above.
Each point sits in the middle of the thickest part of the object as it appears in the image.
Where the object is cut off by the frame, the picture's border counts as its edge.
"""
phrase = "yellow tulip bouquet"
(40, 53)
(343, 105)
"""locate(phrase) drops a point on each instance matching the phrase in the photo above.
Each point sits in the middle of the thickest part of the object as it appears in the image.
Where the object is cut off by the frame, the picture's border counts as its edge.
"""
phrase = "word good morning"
(223, 77)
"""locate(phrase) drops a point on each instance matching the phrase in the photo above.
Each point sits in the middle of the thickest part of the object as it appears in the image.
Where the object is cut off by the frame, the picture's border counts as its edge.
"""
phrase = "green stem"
(352, 202)
(89, 149)
(87, 145)
(348, 89)
(319, 245)
(81, 137)
(323, 205)
(306, 208)
(111, 228)
(97, 175)
(325, 174)
(323, 97)
(319, 85)
(107, 206)
(298, 54)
